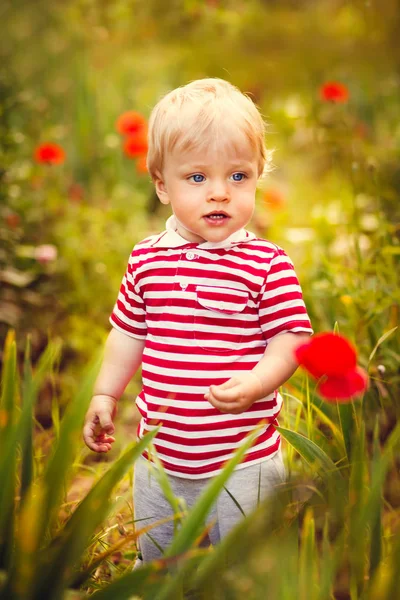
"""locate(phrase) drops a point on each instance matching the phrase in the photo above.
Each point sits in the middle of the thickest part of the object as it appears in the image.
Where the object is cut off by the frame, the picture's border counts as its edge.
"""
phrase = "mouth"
(217, 215)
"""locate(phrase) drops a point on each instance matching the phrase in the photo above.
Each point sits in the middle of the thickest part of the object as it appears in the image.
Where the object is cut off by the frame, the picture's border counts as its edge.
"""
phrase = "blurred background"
(326, 76)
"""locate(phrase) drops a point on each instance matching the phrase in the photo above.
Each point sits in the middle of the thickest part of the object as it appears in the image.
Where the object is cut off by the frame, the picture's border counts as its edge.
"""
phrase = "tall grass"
(329, 532)
(40, 553)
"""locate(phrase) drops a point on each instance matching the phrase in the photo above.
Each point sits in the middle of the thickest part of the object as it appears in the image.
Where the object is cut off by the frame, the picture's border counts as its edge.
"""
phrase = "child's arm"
(277, 365)
(122, 358)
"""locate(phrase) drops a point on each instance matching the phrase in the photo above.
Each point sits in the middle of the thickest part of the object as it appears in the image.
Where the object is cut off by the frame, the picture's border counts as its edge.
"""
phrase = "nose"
(218, 191)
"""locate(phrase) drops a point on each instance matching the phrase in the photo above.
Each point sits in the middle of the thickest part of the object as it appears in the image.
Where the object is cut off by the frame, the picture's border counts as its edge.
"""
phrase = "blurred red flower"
(347, 386)
(334, 91)
(13, 220)
(274, 198)
(136, 145)
(49, 153)
(333, 359)
(130, 122)
(327, 354)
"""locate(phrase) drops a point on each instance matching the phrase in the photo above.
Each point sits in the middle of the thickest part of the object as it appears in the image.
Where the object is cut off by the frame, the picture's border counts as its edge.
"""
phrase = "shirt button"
(183, 285)
(190, 255)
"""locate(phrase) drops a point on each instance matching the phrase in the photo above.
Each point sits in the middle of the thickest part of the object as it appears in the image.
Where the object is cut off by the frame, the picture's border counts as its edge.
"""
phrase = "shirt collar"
(170, 238)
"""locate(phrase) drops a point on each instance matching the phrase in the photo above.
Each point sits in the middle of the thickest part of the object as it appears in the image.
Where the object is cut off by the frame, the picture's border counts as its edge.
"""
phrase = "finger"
(103, 438)
(96, 447)
(99, 442)
(232, 382)
(106, 422)
(220, 391)
(224, 407)
(99, 447)
(88, 432)
(228, 395)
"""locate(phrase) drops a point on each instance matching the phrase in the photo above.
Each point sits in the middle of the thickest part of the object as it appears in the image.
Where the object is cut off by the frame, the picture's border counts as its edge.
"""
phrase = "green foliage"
(40, 555)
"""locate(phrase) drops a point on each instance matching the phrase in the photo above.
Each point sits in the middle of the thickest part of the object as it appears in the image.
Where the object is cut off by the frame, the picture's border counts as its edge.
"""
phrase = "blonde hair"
(192, 115)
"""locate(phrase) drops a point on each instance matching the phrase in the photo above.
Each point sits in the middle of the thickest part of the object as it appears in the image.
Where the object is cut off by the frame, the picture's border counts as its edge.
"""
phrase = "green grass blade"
(394, 581)
(307, 559)
(8, 388)
(163, 481)
(192, 526)
(147, 579)
(331, 555)
(346, 420)
(28, 451)
(66, 551)
(67, 444)
(31, 520)
(380, 341)
(246, 541)
(313, 455)
(376, 515)
(8, 490)
(336, 431)
(30, 388)
(8, 449)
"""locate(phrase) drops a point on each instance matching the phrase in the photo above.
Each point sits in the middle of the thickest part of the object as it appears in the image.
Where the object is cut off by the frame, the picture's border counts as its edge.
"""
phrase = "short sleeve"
(129, 313)
(282, 307)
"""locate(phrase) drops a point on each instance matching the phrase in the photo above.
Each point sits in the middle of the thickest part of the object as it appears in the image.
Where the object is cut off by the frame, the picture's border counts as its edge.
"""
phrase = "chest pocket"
(219, 319)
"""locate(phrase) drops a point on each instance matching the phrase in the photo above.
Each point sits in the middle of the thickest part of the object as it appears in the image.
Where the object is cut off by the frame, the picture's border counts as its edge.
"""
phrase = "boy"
(212, 312)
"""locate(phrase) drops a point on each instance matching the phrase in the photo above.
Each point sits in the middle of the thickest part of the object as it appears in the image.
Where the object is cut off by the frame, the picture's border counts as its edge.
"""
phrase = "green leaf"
(27, 400)
(30, 389)
(194, 523)
(380, 341)
(8, 387)
(138, 582)
(346, 413)
(8, 489)
(58, 561)
(307, 558)
(331, 555)
(67, 444)
(312, 454)
(31, 520)
(376, 506)
(145, 579)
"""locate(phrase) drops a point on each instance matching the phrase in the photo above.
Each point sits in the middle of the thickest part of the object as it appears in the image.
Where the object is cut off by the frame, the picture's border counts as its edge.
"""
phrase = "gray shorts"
(248, 486)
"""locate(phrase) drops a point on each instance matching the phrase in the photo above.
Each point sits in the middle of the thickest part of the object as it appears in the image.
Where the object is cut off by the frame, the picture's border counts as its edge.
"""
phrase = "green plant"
(39, 554)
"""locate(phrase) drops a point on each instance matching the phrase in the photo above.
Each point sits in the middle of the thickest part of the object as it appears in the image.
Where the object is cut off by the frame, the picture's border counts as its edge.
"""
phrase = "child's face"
(222, 178)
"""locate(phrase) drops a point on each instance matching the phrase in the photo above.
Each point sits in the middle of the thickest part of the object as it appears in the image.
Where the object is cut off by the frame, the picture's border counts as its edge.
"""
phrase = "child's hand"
(99, 423)
(237, 394)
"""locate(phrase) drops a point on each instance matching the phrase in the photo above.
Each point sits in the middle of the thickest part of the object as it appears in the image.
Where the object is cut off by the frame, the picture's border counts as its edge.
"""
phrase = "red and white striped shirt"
(206, 311)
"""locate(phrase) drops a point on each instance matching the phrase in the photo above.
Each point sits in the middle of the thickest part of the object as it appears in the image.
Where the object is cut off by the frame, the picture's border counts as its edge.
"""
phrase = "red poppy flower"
(327, 354)
(49, 153)
(343, 388)
(136, 145)
(333, 359)
(334, 91)
(130, 122)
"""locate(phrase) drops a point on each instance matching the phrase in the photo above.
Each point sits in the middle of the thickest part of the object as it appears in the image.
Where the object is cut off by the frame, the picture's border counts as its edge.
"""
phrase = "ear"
(161, 190)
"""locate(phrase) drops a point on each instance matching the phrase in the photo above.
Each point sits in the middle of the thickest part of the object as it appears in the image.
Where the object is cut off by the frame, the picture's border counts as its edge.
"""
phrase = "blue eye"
(197, 178)
(238, 176)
